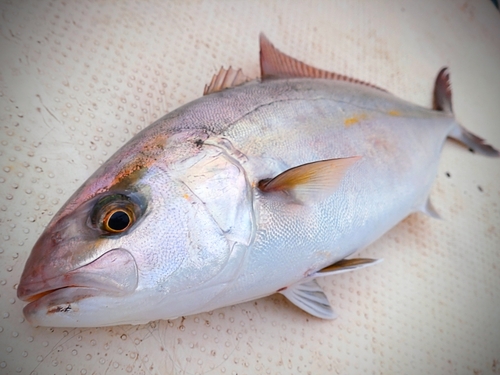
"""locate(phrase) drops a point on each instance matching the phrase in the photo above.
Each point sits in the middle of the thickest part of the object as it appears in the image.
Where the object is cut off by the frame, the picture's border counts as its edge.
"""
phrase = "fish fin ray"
(276, 64)
(310, 181)
(309, 297)
(472, 141)
(442, 91)
(442, 102)
(225, 79)
(347, 265)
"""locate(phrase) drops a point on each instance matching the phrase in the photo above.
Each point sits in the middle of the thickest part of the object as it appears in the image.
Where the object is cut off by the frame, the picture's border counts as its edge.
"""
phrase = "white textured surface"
(79, 78)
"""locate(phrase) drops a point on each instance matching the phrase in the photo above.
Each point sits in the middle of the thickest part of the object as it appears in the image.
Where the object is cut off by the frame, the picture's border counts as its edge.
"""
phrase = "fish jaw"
(63, 247)
(88, 308)
(62, 293)
(70, 253)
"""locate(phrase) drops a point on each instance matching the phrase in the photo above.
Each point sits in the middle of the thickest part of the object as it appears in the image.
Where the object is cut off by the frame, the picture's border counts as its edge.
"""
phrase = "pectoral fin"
(309, 297)
(310, 181)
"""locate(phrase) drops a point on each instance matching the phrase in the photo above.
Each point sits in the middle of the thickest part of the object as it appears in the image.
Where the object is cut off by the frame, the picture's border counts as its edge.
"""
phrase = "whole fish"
(255, 188)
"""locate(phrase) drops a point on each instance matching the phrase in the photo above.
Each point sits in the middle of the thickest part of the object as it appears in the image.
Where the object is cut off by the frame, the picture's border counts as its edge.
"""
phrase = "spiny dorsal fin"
(442, 91)
(312, 180)
(225, 79)
(276, 64)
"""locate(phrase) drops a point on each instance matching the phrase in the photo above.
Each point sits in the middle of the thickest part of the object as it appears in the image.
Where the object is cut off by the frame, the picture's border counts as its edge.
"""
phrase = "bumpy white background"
(79, 78)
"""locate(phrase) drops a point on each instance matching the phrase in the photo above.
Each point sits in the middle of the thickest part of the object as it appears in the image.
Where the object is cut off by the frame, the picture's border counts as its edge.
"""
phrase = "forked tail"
(442, 102)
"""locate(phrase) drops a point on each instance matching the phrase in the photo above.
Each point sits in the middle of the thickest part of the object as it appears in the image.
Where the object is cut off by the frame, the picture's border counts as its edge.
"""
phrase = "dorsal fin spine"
(224, 79)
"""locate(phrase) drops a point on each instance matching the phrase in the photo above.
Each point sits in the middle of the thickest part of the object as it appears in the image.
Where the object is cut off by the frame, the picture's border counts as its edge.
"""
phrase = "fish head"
(137, 235)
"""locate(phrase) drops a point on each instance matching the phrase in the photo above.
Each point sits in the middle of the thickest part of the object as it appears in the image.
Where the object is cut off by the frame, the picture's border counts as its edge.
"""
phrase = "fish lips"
(114, 273)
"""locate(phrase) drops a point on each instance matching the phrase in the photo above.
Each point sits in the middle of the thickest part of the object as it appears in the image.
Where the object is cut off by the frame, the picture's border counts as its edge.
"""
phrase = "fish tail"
(442, 92)
(442, 102)
(472, 141)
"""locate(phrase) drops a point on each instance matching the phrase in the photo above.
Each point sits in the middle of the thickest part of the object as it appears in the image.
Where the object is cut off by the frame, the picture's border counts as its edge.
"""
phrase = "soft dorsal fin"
(276, 64)
(310, 181)
(224, 79)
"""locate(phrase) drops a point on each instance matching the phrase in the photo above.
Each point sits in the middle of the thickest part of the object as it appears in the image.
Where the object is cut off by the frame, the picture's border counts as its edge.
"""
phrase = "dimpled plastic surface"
(79, 78)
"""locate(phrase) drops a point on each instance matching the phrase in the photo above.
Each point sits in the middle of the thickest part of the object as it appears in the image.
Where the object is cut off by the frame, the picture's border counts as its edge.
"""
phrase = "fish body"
(248, 191)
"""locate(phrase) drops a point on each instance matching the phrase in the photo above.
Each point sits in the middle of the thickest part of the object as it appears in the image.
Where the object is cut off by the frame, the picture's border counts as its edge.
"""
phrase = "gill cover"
(217, 181)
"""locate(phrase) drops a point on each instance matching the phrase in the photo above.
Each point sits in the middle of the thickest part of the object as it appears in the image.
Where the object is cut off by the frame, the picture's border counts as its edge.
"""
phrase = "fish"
(260, 186)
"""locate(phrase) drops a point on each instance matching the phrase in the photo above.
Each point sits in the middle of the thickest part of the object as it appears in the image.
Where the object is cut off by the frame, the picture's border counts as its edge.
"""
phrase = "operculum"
(218, 180)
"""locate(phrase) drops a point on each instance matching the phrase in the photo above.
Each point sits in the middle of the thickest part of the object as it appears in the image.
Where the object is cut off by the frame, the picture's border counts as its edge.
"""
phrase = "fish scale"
(258, 187)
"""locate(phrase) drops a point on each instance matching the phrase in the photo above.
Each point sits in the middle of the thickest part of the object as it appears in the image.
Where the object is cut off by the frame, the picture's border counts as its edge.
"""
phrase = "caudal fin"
(442, 91)
(442, 102)
(473, 142)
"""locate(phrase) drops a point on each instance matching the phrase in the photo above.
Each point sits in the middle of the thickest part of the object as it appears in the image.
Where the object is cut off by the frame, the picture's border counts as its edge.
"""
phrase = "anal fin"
(346, 265)
(310, 297)
(429, 209)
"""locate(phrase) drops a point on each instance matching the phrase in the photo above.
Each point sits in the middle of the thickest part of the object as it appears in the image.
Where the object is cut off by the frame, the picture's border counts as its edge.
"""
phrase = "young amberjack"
(255, 188)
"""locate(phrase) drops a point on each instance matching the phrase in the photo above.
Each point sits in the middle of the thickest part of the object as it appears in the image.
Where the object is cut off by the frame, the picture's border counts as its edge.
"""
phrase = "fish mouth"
(114, 273)
(38, 296)
(63, 300)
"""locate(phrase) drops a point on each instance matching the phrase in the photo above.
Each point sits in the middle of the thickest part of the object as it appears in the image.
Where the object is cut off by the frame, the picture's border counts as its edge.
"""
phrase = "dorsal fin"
(276, 64)
(442, 91)
(226, 78)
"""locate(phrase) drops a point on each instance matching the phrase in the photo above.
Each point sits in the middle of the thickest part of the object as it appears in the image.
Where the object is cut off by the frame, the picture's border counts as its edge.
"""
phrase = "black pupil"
(119, 220)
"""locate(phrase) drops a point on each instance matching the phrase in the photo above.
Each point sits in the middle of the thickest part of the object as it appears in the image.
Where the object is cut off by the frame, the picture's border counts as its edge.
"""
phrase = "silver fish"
(256, 188)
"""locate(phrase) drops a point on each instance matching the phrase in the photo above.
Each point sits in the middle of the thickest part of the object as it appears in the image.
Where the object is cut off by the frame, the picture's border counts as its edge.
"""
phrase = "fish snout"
(114, 273)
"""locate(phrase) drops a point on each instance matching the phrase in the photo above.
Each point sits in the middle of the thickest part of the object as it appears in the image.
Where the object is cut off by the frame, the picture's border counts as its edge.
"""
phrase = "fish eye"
(115, 214)
(117, 221)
